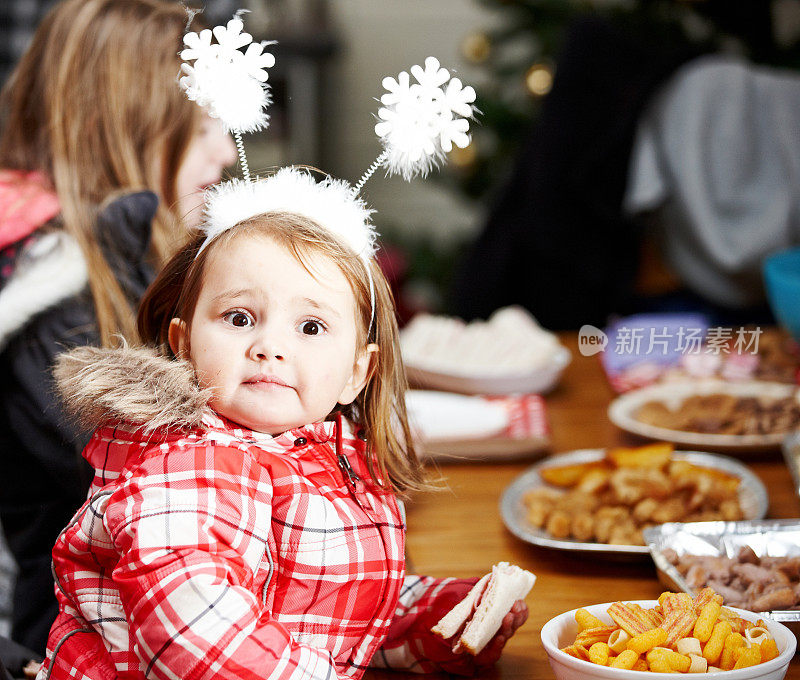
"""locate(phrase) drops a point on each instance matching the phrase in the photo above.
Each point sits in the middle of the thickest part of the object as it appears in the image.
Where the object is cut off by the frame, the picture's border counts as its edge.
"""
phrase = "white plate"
(622, 410)
(537, 381)
(441, 416)
(752, 497)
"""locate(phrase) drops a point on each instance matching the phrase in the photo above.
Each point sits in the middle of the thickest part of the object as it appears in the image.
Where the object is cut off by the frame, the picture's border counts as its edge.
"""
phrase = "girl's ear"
(178, 337)
(362, 369)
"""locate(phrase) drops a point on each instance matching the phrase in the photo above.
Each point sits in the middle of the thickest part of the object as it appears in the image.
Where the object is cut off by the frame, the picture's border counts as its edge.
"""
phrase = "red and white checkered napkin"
(526, 415)
(527, 434)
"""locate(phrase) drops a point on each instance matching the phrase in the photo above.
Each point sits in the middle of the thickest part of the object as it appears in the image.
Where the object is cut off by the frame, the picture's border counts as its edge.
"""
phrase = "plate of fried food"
(711, 414)
(600, 500)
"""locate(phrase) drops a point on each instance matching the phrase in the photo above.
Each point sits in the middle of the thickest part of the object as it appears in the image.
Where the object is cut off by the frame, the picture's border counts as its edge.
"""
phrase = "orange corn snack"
(586, 620)
(678, 625)
(657, 660)
(702, 598)
(599, 653)
(627, 618)
(713, 649)
(738, 625)
(750, 656)
(706, 620)
(769, 650)
(644, 642)
(591, 635)
(677, 662)
(733, 642)
(674, 602)
(654, 617)
(625, 660)
(578, 651)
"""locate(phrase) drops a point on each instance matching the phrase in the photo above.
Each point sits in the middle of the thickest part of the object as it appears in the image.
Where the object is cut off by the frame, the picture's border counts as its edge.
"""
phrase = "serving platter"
(623, 409)
(752, 497)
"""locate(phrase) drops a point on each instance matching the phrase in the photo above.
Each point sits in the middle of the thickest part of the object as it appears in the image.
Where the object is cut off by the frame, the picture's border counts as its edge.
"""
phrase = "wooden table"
(459, 532)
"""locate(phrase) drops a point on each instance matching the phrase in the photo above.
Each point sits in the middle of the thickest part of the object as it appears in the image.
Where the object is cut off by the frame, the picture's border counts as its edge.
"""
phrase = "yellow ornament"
(476, 47)
(539, 79)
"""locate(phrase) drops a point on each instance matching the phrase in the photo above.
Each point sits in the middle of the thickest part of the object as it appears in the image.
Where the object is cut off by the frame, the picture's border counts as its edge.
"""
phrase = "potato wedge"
(650, 456)
(569, 475)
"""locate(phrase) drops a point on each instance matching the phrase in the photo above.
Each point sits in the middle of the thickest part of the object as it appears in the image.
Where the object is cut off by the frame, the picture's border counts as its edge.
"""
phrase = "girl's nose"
(266, 348)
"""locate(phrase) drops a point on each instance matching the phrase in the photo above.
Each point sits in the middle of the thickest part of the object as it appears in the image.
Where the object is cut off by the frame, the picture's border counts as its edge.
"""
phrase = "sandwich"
(477, 618)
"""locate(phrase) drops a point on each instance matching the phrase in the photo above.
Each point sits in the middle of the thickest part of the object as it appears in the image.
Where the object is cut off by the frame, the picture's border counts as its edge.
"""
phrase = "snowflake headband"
(419, 123)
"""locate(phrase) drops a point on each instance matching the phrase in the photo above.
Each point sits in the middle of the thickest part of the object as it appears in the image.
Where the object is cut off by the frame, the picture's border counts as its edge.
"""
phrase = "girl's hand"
(513, 620)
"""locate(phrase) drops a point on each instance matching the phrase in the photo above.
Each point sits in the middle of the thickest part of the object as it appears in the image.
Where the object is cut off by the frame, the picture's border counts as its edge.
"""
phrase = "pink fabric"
(25, 205)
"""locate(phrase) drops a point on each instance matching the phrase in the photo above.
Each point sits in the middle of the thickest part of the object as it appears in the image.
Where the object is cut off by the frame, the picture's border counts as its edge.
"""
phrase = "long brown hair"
(94, 105)
(380, 408)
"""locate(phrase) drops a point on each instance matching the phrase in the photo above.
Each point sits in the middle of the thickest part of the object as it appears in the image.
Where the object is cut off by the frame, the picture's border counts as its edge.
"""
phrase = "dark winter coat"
(46, 308)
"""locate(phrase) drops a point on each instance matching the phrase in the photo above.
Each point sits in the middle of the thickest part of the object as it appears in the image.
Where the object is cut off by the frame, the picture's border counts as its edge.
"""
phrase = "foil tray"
(791, 454)
(774, 538)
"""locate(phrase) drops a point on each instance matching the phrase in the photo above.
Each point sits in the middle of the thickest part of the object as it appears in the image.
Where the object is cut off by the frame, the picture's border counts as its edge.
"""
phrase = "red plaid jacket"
(225, 553)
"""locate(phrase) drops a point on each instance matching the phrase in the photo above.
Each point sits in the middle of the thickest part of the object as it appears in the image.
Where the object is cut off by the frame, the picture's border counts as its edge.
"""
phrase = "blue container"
(782, 281)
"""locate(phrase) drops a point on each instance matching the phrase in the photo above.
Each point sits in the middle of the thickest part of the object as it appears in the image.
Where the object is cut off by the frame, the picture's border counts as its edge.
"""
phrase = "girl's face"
(277, 345)
(210, 151)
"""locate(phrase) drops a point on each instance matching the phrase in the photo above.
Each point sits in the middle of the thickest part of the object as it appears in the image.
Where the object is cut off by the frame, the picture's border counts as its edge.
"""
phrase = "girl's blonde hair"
(95, 106)
(380, 408)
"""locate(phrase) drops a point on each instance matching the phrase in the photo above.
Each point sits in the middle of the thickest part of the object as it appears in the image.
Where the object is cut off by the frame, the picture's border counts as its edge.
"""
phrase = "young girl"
(102, 164)
(242, 521)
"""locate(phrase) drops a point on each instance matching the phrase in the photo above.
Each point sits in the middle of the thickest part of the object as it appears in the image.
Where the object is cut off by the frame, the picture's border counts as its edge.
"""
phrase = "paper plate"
(441, 416)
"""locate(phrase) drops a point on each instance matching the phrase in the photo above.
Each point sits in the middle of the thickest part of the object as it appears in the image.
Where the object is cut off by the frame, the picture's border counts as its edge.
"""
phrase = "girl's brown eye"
(238, 319)
(311, 328)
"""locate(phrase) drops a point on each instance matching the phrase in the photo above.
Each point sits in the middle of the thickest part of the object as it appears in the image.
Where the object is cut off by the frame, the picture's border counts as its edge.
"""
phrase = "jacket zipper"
(348, 473)
(347, 469)
(351, 477)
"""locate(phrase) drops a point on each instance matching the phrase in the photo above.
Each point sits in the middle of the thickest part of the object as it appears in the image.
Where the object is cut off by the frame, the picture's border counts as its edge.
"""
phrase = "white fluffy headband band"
(329, 203)
(419, 123)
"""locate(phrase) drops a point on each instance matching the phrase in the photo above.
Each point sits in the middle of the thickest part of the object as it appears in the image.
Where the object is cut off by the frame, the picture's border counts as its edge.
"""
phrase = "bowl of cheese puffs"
(648, 639)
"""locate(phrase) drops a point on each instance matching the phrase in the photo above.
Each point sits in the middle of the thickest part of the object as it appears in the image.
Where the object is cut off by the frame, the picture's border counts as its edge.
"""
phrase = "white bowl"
(560, 632)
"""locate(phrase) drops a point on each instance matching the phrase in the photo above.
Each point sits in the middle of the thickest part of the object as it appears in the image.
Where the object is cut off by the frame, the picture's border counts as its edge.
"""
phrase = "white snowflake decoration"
(420, 122)
(229, 83)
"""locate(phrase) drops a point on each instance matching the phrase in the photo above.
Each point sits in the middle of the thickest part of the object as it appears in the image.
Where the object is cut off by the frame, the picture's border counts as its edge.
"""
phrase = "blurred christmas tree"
(520, 59)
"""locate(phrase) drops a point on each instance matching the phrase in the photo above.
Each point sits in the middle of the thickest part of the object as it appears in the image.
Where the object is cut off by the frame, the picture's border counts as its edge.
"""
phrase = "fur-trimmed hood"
(136, 385)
